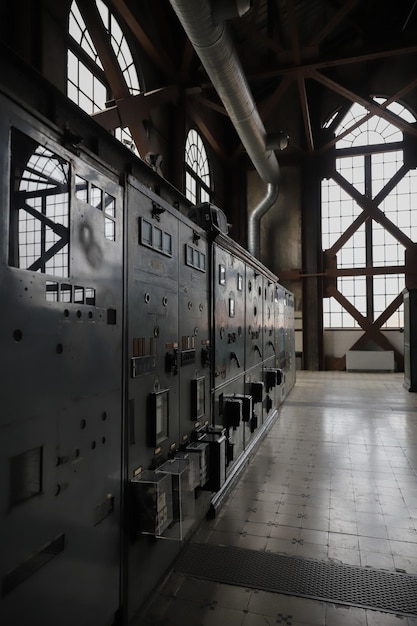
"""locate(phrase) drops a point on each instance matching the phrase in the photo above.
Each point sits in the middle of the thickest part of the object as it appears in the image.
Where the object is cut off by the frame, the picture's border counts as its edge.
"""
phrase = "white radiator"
(370, 360)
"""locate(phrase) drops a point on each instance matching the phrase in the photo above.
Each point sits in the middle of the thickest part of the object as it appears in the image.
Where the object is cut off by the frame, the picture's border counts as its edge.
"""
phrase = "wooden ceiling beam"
(295, 43)
(155, 53)
(188, 54)
(271, 44)
(338, 17)
(202, 126)
(209, 104)
(370, 105)
(139, 107)
(306, 114)
(346, 132)
(101, 41)
(267, 108)
(324, 64)
(395, 97)
(114, 74)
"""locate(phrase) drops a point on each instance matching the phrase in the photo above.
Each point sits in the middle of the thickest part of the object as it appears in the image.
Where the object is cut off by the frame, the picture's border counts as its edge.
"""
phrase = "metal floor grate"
(391, 592)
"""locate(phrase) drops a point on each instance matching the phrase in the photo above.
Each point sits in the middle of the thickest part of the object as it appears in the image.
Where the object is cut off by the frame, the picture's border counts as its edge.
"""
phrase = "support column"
(313, 351)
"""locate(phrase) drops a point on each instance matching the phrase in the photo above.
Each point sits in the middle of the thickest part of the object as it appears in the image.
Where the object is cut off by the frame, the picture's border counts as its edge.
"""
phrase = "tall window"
(197, 172)
(87, 84)
(369, 218)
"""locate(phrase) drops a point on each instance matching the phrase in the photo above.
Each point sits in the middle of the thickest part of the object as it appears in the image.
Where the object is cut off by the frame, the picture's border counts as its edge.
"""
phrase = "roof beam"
(306, 114)
(294, 32)
(397, 96)
(114, 74)
(307, 67)
(267, 108)
(155, 53)
(370, 105)
(127, 111)
(331, 24)
(198, 120)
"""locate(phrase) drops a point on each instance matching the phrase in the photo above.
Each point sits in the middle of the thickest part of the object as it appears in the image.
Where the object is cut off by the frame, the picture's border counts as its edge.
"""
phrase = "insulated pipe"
(215, 49)
(254, 226)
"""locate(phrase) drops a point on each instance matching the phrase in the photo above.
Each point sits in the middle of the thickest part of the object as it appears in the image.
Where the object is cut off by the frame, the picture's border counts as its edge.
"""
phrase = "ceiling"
(295, 54)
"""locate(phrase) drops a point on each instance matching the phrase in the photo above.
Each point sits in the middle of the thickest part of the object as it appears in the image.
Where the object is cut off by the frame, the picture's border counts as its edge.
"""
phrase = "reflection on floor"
(335, 479)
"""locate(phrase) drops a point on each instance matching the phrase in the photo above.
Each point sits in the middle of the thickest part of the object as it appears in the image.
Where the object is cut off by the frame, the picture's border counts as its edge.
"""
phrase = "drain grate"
(320, 580)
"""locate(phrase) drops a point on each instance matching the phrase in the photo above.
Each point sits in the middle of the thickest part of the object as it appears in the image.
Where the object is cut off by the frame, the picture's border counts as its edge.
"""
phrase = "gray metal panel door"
(152, 344)
(61, 393)
(229, 316)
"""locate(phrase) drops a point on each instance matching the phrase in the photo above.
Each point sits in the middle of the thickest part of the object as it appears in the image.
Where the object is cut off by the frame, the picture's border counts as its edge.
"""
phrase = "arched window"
(87, 84)
(369, 218)
(197, 171)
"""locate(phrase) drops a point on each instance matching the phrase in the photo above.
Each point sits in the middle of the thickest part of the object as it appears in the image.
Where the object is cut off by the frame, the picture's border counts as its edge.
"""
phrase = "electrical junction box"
(232, 411)
(270, 377)
(217, 446)
(201, 451)
(209, 217)
(152, 503)
(194, 473)
(247, 406)
(257, 391)
(183, 506)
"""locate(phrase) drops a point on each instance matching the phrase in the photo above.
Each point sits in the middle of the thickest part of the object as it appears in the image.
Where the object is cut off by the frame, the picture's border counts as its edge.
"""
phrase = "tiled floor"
(335, 479)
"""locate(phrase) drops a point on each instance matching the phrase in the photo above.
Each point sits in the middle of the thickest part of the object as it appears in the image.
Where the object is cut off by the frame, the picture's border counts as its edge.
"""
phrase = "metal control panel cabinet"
(254, 317)
(280, 321)
(194, 350)
(153, 402)
(61, 270)
(152, 327)
(290, 340)
(229, 315)
(269, 348)
(137, 351)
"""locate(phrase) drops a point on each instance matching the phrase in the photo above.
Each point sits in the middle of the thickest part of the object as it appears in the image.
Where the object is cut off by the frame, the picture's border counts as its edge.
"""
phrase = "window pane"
(197, 178)
(41, 184)
(85, 84)
(96, 195)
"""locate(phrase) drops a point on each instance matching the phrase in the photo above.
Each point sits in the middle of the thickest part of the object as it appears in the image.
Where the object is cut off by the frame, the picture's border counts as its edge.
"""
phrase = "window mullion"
(368, 241)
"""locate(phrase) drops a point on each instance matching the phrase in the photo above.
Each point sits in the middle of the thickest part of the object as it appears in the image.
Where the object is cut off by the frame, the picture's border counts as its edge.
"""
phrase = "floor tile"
(331, 481)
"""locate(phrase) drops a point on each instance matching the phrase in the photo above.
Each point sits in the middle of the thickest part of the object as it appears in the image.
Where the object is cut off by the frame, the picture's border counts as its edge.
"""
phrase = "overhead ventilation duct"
(212, 42)
(223, 10)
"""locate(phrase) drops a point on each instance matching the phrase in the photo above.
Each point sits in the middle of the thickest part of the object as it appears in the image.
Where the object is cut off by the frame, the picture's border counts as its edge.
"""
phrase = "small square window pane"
(96, 197)
(157, 238)
(109, 205)
(81, 189)
(109, 229)
(146, 233)
(167, 245)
